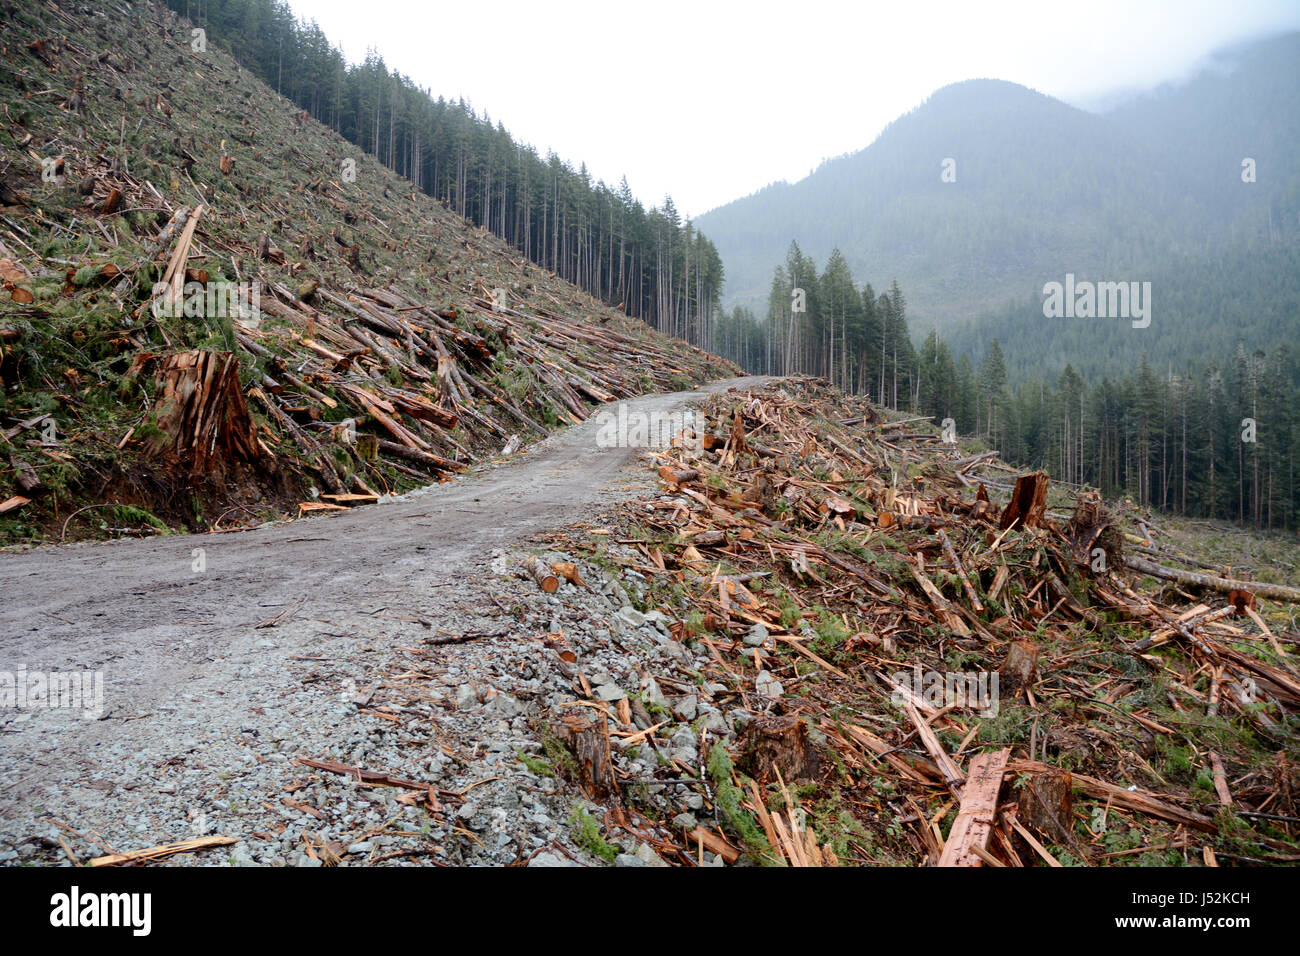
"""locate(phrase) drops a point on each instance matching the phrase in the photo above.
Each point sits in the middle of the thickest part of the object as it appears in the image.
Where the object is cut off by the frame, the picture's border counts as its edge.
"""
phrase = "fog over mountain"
(1149, 189)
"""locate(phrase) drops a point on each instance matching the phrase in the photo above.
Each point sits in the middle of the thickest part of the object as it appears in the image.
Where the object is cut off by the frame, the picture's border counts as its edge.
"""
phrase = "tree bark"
(201, 415)
(1273, 592)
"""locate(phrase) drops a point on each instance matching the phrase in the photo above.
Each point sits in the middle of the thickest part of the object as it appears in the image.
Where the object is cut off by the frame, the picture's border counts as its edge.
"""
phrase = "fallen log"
(540, 573)
(979, 804)
(1138, 800)
(418, 455)
(1273, 592)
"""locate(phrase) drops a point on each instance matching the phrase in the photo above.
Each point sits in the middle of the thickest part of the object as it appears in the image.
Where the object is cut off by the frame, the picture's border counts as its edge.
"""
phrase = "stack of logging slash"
(412, 374)
(986, 681)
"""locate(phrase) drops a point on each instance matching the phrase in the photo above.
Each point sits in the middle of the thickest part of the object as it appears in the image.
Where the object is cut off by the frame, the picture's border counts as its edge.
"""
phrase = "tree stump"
(201, 416)
(588, 738)
(778, 744)
(1020, 668)
(1028, 501)
(1090, 529)
(1046, 805)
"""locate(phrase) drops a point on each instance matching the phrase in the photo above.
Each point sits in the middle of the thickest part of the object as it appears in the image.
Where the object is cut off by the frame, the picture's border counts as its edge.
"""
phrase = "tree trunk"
(1273, 592)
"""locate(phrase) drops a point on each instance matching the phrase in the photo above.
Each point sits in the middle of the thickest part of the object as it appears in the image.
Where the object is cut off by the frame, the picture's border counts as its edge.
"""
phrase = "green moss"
(536, 764)
(557, 755)
(831, 633)
(130, 514)
(586, 833)
(727, 799)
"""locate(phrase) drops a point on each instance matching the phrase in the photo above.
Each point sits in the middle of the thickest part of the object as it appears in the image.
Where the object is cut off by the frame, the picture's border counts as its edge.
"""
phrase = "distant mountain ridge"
(1041, 189)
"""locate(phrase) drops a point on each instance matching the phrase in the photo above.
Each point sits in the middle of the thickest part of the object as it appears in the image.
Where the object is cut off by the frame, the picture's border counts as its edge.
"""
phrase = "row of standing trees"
(652, 263)
(1218, 441)
(824, 324)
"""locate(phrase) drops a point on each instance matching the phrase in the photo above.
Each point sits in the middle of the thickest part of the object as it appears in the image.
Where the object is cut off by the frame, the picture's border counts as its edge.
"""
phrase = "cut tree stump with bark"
(1020, 667)
(1028, 501)
(1046, 805)
(779, 744)
(201, 416)
(1089, 529)
(588, 738)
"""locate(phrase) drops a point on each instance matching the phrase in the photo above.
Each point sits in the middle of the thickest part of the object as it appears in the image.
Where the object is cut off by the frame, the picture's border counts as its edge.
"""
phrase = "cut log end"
(541, 574)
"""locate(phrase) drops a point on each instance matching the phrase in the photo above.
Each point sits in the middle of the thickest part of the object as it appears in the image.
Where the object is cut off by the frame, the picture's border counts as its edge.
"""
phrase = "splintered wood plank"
(945, 610)
(310, 507)
(952, 774)
(979, 804)
(351, 499)
(166, 849)
(17, 501)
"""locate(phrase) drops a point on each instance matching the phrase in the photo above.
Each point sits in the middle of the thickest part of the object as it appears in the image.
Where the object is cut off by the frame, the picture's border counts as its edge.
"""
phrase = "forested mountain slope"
(1151, 191)
(650, 263)
(395, 342)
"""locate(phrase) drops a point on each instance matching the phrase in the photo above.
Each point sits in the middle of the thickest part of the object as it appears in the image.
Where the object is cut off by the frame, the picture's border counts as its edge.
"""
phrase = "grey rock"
(715, 722)
(505, 705)
(627, 859)
(768, 686)
(647, 855)
(684, 737)
(739, 717)
(632, 616)
(610, 693)
(757, 635)
(686, 708)
(654, 695)
(241, 856)
(465, 697)
(550, 859)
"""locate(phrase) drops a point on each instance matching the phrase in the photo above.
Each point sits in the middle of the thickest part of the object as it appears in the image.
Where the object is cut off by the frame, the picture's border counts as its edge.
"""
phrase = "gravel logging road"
(186, 668)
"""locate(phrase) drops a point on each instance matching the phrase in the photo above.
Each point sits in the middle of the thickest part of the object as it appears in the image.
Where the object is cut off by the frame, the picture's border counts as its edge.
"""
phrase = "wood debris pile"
(950, 679)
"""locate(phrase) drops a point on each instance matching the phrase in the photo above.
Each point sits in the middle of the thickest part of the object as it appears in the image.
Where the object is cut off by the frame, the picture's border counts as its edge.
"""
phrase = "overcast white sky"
(709, 101)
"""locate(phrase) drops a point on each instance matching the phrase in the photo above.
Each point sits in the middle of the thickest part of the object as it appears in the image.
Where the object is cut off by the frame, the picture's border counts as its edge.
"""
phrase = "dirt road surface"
(183, 659)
